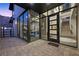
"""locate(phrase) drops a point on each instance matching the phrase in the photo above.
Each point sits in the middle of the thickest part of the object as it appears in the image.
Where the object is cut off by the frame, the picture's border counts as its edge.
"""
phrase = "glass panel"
(53, 27)
(25, 25)
(54, 10)
(33, 14)
(68, 27)
(50, 12)
(17, 11)
(53, 31)
(53, 18)
(25, 18)
(34, 25)
(61, 7)
(18, 25)
(34, 28)
(21, 26)
(73, 4)
(53, 36)
(66, 6)
(53, 22)
(1, 34)
(44, 14)
(43, 28)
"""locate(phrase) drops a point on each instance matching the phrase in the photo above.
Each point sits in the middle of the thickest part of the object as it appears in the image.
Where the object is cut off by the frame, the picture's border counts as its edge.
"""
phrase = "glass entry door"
(53, 28)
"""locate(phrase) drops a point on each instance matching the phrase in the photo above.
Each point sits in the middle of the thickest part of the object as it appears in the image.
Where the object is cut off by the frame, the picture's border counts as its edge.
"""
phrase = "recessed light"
(31, 3)
(47, 3)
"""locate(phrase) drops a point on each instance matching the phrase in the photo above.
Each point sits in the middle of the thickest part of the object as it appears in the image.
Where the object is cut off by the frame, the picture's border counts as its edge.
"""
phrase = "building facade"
(57, 24)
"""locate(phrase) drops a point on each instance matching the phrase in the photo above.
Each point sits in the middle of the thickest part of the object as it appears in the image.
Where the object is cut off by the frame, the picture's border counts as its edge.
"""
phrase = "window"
(54, 10)
(25, 18)
(66, 5)
(21, 26)
(44, 14)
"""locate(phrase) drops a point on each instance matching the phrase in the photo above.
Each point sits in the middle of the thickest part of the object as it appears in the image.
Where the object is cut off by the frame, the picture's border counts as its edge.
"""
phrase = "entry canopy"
(38, 7)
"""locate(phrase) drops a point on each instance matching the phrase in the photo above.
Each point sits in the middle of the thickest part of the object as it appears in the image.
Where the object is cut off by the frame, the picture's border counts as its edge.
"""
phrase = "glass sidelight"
(25, 26)
(21, 26)
(34, 29)
(68, 27)
(43, 28)
(53, 28)
(18, 29)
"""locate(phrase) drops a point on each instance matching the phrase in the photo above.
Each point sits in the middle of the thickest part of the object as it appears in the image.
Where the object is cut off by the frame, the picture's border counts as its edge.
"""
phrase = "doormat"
(53, 44)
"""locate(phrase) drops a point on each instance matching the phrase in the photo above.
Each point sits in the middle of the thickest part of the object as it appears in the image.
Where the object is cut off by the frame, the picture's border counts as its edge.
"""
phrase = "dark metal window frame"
(76, 26)
(58, 39)
(59, 27)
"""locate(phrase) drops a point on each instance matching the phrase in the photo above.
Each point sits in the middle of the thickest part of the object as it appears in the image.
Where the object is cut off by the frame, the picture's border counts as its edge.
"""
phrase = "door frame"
(58, 29)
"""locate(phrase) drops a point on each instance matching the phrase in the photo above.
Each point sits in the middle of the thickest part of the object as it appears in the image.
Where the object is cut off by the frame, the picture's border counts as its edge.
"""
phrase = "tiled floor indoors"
(18, 47)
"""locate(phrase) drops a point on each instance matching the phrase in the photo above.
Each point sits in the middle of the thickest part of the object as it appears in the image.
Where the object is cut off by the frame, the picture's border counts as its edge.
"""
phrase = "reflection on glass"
(53, 22)
(56, 9)
(17, 11)
(53, 18)
(34, 26)
(44, 28)
(53, 27)
(25, 25)
(18, 25)
(68, 27)
(53, 36)
(44, 14)
(52, 11)
(66, 6)
(21, 25)
(53, 31)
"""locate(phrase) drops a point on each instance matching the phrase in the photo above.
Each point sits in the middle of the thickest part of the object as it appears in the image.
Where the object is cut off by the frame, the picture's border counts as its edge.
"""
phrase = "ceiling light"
(31, 3)
(47, 3)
